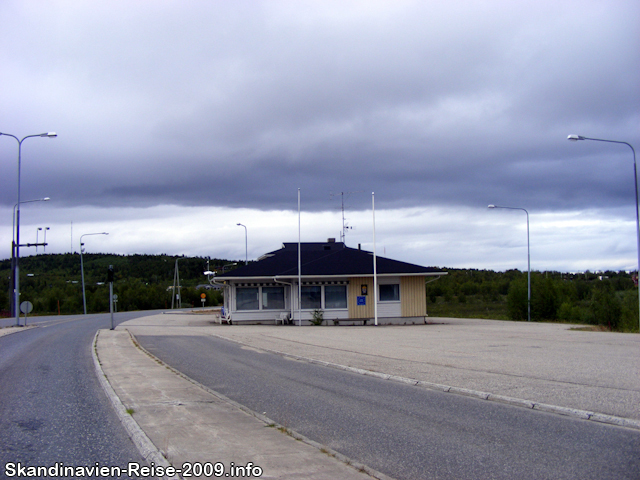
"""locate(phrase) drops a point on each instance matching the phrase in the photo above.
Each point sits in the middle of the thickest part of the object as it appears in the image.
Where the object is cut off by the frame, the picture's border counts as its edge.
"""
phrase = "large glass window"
(273, 298)
(390, 293)
(335, 296)
(311, 297)
(247, 299)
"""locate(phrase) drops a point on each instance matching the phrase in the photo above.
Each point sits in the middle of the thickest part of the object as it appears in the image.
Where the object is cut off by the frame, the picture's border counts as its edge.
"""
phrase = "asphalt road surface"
(404, 431)
(52, 408)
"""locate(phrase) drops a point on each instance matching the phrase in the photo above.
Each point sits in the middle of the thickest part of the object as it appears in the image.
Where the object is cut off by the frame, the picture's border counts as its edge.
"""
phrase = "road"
(403, 431)
(52, 408)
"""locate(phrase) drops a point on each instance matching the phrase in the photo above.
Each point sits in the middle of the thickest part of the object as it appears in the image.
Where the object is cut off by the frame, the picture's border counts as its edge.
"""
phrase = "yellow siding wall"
(360, 311)
(413, 296)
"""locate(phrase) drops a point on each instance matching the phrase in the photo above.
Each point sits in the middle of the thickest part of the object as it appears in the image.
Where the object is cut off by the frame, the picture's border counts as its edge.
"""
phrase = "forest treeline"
(52, 282)
(607, 299)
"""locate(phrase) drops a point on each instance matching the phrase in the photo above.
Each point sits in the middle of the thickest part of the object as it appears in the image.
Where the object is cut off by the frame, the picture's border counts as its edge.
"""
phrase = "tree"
(544, 300)
(605, 306)
(517, 300)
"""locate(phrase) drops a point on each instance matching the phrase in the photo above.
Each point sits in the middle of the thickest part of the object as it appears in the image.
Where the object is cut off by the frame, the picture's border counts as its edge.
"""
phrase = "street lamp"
(17, 274)
(575, 138)
(37, 235)
(45, 239)
(245, 243)
(84, 298)
(13, 247)
(528, 259)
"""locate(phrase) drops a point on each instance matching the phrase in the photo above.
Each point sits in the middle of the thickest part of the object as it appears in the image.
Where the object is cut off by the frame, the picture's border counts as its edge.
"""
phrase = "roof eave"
(293, 277)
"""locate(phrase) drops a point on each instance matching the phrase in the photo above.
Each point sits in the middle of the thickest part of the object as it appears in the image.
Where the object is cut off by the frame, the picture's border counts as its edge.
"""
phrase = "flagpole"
(375, 269)
(299, 268)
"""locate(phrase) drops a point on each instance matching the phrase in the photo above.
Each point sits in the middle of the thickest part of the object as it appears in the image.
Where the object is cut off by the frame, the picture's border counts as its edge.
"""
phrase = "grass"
(591, 328)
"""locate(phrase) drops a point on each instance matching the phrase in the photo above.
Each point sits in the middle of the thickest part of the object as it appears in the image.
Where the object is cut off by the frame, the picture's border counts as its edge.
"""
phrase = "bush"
(629, 318)
(517, 300)
(318, 317)
(605, 306)
(544, 300)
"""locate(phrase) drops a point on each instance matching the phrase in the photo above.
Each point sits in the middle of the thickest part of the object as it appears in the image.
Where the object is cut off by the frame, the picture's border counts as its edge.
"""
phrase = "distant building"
(335, 279)
(208, 286)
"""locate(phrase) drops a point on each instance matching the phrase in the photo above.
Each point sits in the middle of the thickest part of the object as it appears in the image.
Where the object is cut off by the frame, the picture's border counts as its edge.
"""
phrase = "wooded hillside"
(144, 282)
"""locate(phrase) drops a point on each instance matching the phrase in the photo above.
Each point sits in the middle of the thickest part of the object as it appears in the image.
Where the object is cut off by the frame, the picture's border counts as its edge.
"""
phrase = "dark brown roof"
(324, 259)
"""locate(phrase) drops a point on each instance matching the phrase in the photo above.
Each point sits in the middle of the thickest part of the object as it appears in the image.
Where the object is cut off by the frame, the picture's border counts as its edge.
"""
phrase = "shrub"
(318, 317)
(517, 300)
(605, 306)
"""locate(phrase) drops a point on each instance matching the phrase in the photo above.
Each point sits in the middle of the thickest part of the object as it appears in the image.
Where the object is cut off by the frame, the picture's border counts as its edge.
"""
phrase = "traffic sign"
(203, 295)
(26, 307)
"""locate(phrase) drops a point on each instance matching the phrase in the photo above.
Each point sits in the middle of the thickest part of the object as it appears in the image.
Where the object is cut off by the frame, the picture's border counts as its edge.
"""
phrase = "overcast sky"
(176, 120)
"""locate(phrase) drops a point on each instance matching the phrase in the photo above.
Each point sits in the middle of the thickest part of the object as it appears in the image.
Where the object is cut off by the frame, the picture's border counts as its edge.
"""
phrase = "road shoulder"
(186, 423)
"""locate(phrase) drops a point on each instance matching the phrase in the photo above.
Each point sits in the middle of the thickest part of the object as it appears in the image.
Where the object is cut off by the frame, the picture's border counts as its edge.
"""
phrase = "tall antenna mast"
(345, 227)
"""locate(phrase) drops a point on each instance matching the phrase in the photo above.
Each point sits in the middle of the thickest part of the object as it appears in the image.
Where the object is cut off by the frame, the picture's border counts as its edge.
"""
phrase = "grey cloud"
(239, 104)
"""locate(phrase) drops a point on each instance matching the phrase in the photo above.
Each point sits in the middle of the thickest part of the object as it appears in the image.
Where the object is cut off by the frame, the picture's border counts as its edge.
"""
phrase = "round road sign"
(26, 307)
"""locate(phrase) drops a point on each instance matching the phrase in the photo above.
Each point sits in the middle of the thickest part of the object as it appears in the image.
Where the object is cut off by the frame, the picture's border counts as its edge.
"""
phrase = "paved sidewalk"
(189, 424)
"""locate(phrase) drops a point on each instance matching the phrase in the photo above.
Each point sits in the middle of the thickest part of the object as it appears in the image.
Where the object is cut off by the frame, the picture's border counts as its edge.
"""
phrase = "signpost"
(26, 307)
(110, 280)
(203, 298)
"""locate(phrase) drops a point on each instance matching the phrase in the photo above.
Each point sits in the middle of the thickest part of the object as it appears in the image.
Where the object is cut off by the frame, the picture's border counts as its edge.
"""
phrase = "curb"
(11, 329)
(328, 451)
(144, 445)
(516, 402)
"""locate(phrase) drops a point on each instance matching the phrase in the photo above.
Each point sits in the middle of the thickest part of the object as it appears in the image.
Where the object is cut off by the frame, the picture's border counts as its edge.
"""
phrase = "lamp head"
(575, 138)
(46, 199)
(491, 206)
(49, 134)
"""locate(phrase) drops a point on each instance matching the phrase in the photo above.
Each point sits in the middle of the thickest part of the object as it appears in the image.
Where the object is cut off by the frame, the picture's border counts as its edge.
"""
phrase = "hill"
(144, 282)
(53, 282)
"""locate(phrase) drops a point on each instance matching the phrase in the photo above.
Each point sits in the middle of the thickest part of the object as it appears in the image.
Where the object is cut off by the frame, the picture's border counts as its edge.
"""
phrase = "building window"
(273, 298)
(311, 297)
(390, 293)
(247, 299)
(335, 296)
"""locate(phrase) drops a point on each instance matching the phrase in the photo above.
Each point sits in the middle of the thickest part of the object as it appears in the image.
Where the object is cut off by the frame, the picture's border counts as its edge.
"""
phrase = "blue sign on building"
(362, 300)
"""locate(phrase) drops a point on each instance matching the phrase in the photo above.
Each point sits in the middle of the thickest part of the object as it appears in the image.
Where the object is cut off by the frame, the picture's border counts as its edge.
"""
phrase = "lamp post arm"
(528, 257)
(574, 138)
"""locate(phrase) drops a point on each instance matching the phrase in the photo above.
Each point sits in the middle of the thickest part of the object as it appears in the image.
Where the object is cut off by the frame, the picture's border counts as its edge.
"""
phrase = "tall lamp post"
(84, 298)
(246, 257)
(13, 249)
(37, 236)
(17, 259)
(45, 239)
(575, 138)
(528, 259)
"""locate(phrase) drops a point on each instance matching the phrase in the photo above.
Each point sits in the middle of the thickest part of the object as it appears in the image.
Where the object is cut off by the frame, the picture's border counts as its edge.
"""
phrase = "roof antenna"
(345, 227)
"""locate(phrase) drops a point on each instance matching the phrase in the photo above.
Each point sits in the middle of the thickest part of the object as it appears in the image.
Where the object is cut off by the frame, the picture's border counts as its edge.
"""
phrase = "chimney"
(331, 240)
(359, 247)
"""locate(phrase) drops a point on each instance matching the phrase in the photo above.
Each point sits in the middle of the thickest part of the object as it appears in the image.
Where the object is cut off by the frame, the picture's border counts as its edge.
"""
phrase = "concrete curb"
(516, 402)
(144, 445)
(10, 330)
(267, 421)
